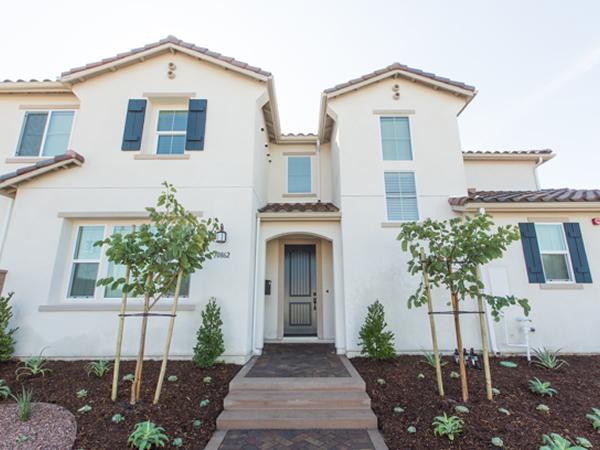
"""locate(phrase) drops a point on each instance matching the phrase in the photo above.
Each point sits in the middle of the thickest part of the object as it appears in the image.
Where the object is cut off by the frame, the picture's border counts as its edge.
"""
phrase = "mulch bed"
(176, 412)
(49, 427)
(578, 386)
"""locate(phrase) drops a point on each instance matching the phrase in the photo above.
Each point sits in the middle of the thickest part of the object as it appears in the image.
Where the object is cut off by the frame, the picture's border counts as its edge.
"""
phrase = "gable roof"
(10, 181)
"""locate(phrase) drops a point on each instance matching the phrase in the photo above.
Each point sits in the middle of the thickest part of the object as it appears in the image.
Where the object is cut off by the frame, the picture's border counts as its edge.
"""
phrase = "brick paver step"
(297, 400)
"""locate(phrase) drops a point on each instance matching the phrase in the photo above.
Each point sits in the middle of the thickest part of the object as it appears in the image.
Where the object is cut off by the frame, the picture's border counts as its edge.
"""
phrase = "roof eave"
(528, 207)
(535, 157)
(300, 216)
(34, 87)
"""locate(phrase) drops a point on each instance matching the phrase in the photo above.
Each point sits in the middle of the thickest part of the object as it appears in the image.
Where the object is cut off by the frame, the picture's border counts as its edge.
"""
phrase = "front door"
(300, 305)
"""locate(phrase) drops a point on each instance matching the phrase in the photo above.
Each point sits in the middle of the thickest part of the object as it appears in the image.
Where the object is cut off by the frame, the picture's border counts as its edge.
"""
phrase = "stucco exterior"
(243, 168)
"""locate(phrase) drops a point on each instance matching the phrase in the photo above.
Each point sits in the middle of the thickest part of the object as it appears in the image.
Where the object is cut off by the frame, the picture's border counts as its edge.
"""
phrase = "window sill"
(397, 224)
(307, 195)
(159, 157)
(26, 159)
(101, 307)
(560, 286)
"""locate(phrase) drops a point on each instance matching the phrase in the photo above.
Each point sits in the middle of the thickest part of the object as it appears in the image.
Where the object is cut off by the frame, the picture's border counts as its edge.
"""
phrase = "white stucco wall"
(501, 175)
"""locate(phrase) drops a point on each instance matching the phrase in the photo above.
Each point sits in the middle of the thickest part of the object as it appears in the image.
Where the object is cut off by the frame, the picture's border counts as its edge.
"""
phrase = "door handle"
(314, 303)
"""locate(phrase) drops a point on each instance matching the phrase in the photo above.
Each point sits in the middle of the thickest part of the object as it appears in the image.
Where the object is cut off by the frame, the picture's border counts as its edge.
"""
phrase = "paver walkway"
(297, 397)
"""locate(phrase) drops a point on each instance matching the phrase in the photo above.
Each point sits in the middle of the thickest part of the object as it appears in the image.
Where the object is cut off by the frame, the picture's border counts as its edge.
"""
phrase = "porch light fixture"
(221, 235)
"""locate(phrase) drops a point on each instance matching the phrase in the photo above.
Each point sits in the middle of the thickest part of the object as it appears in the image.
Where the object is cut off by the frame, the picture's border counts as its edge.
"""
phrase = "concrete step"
(241, 400)
(297, 419)
(345, 384)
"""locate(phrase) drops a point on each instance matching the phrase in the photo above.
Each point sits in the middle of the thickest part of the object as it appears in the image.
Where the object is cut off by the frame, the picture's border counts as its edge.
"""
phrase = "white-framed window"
(395, 138)
(171, 129)
(554, 252)
(89, 263)
(299, 174)
(45, 133)
(401, 196)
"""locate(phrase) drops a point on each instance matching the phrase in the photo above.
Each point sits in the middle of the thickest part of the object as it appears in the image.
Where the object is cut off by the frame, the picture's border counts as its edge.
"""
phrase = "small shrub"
(210, 344)
(197, 423)
(129, 377)
(504, 411)
(374, 340)
(117, 418)
(23, 438)
(398, 410)
(24, 404)
(495, 391)
(84, 409)
(147, 435)
(177, 442)
(4, 390)
(497, 442)
(447, 426)
(542, 408)
(583, 442)
(82, 393)
(7, 340)
(542, 388)
(411, 429)
(429, 359)
(548, 359)
(380, 381)
(204, 403)
(98, 368)
(508, 364)
(172, 378)
(557, 442)
(594, 416)
(207, 380)
(454, 375)
(460, 409)
(35, 365)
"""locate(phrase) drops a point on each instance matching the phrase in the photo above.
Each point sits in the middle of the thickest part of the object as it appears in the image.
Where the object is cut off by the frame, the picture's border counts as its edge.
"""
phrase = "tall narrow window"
(171, 130)
(298, 174)
(116, 270)
(86, 260)
(395, 139)
(554, 252)
(401, 196)
(45, 133)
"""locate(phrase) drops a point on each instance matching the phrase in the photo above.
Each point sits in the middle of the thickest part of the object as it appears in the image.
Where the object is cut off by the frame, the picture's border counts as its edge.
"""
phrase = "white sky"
(536, 64)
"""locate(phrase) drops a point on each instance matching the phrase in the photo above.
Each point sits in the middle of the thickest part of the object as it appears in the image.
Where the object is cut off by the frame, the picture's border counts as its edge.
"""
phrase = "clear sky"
(536, 64)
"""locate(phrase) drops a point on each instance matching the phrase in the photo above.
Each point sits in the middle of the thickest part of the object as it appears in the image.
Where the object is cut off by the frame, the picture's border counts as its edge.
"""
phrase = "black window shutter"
(134, 125)
(577, 251)
(531, 250)
(196, 124)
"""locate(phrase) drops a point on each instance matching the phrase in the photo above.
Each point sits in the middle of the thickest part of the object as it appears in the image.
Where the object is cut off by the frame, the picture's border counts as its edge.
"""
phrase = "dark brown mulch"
(176, 412)
(50, 427)
(578, 388)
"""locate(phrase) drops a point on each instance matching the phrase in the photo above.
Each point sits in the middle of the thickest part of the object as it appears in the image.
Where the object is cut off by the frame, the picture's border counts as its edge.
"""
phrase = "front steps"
(297, 403)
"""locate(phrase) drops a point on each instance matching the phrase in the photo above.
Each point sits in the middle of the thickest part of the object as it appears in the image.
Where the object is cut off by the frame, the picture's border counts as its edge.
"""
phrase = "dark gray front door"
(300, 305)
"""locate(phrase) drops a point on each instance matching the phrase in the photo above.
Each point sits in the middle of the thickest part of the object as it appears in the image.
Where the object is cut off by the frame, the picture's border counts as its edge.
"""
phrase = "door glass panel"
(300, 273)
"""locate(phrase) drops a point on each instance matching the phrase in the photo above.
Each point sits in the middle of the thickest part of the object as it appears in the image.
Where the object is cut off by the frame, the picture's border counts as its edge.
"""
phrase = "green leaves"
(450, 253)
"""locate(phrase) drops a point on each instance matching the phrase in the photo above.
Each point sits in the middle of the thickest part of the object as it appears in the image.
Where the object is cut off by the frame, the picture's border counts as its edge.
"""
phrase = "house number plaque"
(224, 255)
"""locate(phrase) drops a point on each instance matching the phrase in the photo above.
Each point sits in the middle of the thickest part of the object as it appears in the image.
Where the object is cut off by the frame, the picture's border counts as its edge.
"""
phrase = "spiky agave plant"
(447, 426)
(548, 359)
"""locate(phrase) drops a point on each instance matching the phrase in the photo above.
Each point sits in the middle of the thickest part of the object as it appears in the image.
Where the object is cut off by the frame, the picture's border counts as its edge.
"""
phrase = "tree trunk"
(123, 309)
(459, 343)
(137, 382)
(484, 344)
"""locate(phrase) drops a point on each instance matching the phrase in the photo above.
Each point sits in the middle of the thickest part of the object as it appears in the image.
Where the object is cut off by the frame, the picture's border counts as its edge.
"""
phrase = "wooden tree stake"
(115, 381)
(436, 352)
(163, 367)
(137, 382)
(461, 355)
(484, 344)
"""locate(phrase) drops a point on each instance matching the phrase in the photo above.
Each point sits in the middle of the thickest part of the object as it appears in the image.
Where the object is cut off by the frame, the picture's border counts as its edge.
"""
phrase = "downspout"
(255, 296)
(318, 151)
(488, 318)
(539, 162)
(7, 219)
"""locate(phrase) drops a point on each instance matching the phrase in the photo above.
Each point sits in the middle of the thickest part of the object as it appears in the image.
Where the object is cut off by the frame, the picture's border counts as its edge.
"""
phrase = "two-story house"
(311, 219)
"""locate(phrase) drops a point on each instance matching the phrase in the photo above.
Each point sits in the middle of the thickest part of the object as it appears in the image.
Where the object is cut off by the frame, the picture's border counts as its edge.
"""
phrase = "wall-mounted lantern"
(221, 235)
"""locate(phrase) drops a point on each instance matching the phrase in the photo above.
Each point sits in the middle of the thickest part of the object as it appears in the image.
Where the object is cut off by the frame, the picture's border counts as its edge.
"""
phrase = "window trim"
(405, 115)
(566, 252)
(385, 198)
(73, 260)
(311, 192)
(50, 112)
(157, 133)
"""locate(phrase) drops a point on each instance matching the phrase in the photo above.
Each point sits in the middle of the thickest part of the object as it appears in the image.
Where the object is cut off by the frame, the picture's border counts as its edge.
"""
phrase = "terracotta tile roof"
(542, 195)
(171, 40)
(298, 207)
(299, 135)
(545, 151)
(33, 80)
(404, 68)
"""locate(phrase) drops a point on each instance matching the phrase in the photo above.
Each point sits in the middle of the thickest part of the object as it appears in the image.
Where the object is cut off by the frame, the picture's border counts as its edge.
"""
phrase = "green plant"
(542, 388)
(583, 442)
(177, 442)
(548, 359)
(23, 438)
(7, 340)
(429, 359)
(210, 344)
(84, 409)
(4, 390)
(594, 416)
(117, 418)
(556, 442)
(375, 341)
(172, 378)
(380, 381)
(147, 435)
(497, 442)
(447, 426)
(508, 364)
(420, 376)
(24, 404)
(98, 368)
(197, 423)
(129, 377)
(504, 411)
(398, 409)
(204, 403)
(35, 365)
(460, 409)
(82, 393)
(543, 408)
(207, 380)
(454, 375)
(411, 429)
(495, 391)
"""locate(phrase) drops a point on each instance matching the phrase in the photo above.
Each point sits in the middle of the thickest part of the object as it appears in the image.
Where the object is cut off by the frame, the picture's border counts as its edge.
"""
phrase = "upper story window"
(554, 252)
(401, 196)
(171, 132)
(299, 177)
(395, 139)
(45, 133)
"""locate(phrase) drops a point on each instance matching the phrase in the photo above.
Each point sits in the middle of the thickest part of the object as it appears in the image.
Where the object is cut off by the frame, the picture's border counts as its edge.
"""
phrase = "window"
(395, 139)
(86, 260)
(554, 252)
(171, 129)
(401, 196)
(298, 174)
(45, 133)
